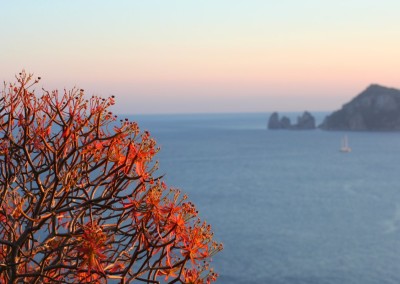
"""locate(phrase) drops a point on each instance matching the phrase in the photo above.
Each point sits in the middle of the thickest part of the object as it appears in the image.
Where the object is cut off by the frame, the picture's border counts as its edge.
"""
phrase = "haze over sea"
(288, 206)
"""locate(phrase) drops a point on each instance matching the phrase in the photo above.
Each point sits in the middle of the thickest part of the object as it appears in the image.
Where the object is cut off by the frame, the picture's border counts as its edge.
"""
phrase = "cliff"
(377, 109)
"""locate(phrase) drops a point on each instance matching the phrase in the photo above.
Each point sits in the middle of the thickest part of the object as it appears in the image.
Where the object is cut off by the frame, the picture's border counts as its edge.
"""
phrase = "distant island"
(376, 109)
(304, 122)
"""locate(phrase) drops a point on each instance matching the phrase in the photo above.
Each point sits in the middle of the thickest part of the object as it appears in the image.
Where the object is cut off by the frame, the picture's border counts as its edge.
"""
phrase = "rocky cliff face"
(377, 109)
(305, 121)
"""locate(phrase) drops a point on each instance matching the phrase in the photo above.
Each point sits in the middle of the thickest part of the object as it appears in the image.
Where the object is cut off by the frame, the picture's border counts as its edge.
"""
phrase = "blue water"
(288, 206)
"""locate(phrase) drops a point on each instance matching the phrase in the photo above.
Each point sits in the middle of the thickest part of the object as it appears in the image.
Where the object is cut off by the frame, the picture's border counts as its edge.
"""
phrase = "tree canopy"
(80, 201)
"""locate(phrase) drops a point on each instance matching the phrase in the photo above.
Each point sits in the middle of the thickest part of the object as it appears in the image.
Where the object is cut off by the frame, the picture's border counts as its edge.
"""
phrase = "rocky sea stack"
(375, 109)
(304, 122)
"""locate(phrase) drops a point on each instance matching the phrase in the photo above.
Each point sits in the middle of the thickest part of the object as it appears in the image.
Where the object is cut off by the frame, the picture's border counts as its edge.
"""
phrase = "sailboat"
(345, 145)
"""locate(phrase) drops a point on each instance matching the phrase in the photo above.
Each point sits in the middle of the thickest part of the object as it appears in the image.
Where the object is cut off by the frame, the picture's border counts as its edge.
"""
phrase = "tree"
(79, 199)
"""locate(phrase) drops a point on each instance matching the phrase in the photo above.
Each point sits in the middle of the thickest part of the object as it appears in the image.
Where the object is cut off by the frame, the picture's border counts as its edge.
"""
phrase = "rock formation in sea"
(377, 109)
(273, 122)
(305, 121)
(285, 122)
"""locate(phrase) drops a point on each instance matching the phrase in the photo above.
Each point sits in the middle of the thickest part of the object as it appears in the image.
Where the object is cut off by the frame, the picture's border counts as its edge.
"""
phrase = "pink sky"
(217, 56)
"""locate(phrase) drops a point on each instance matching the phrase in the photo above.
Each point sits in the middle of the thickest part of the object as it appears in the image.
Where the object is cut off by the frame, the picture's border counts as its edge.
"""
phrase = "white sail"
(345, 145)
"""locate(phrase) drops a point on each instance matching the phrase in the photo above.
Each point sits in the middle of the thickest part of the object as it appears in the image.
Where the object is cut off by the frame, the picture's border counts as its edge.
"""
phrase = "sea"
(289, 207)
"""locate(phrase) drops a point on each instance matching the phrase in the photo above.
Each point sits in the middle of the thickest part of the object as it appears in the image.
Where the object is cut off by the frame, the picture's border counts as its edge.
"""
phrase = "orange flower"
(192, 276)
(98, 145)
(176, 222)
(168, 273)
(92, 245)
(195, 246)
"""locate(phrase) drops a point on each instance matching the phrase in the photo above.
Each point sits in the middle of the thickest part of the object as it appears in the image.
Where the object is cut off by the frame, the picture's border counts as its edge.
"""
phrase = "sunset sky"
(170, 56)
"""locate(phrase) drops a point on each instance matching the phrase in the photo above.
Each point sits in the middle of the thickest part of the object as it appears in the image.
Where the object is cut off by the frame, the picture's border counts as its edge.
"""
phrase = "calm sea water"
(288, 206)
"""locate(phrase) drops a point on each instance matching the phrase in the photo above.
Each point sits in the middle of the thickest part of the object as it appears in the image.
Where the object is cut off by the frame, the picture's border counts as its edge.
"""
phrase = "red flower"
(91, 247)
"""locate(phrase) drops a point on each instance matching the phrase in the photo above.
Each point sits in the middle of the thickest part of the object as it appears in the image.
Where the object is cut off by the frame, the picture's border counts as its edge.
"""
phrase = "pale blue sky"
(205, 56)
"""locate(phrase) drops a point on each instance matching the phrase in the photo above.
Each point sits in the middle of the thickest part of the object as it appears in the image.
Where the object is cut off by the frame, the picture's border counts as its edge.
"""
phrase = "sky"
(184, 56)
